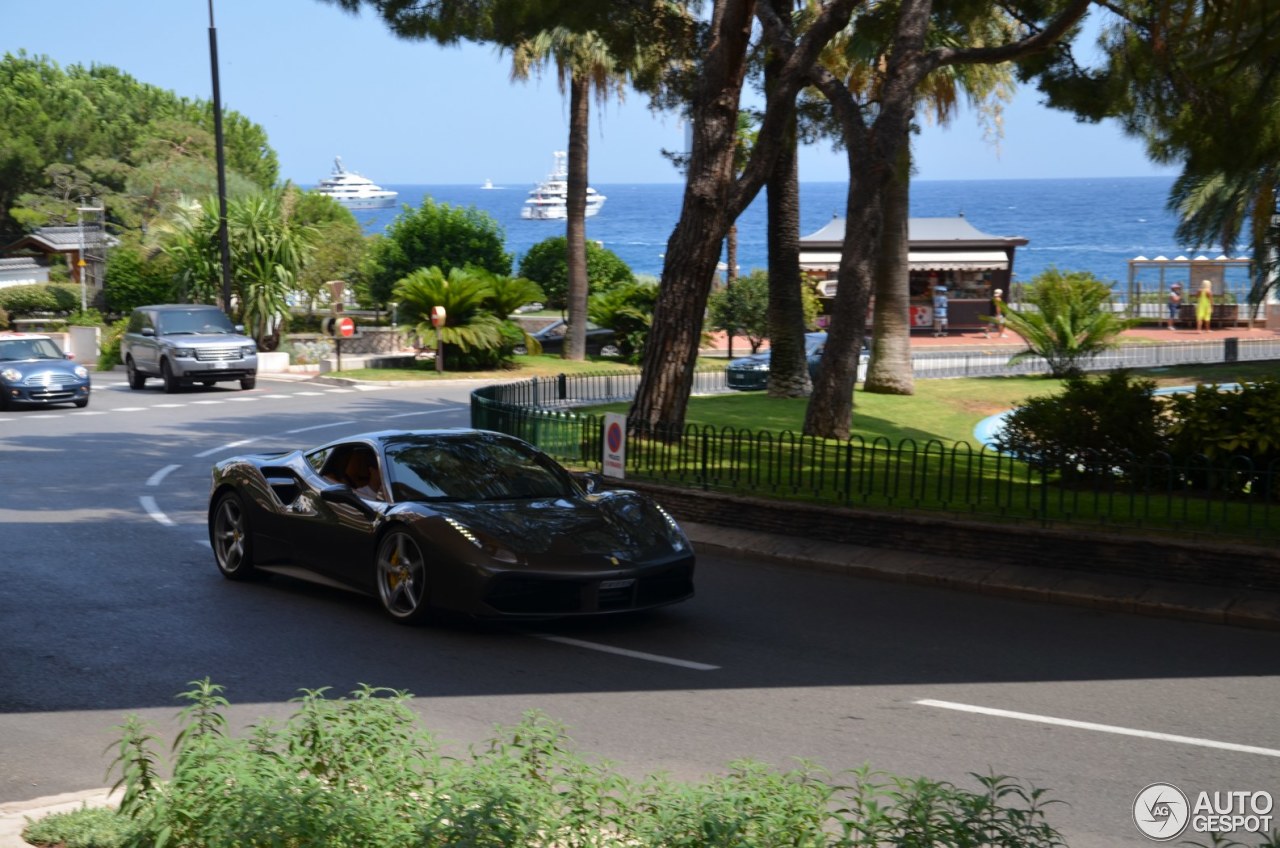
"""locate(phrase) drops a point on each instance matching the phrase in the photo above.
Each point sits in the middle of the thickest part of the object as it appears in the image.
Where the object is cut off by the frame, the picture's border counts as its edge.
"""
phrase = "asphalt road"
(111, 604)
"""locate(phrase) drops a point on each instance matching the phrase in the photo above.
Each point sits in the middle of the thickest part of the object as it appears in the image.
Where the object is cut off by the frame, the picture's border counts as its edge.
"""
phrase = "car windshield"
(472, 467)
(12, 350)
(204, 321)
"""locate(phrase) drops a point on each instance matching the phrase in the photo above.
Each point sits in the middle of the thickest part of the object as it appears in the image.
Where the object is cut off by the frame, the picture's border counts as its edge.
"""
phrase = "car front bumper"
(45, 394)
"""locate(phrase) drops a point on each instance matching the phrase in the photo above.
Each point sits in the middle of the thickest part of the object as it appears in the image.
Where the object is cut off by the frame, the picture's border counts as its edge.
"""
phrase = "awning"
(954, 260)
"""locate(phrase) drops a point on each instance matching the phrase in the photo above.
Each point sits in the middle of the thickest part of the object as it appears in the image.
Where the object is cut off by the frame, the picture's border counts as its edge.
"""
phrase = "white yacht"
(549, 199)
(354, 191)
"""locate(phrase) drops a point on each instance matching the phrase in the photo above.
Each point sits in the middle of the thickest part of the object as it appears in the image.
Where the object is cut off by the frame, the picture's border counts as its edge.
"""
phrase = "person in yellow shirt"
(1204, 306)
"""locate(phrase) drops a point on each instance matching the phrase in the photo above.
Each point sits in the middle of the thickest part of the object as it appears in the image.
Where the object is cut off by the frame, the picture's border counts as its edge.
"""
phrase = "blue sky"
(325, 83)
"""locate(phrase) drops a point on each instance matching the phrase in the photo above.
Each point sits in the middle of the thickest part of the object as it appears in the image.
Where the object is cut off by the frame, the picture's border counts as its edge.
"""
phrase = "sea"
(1094, 225)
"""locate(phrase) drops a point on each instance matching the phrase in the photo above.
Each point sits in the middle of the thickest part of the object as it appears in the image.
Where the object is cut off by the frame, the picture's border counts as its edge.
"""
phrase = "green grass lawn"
(946, 410)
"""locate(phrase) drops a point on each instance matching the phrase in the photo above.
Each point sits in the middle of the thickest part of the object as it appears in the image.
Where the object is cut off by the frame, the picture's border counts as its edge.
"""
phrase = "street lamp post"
(224, 247)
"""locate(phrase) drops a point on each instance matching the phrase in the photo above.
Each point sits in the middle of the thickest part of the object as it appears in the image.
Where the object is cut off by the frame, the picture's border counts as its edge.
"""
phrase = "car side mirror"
(591, 482)
(148, 331)
(239, 328)
(340, 493)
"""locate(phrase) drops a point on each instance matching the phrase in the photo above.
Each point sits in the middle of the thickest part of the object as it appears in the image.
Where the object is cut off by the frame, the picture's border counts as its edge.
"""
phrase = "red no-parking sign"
(615, 445)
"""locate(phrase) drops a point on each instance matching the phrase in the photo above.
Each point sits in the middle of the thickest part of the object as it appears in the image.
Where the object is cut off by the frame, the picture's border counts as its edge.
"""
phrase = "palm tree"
(584, 63)
(463, 294)
(1070, 322)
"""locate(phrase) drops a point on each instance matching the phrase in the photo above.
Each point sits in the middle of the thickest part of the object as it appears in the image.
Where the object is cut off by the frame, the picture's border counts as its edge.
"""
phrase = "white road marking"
(308, 394)
(240, 399)
(639, 655)
(228, 446)
(41, 415)
(149, 504)
(423, 412)
(87, 412)
(277, 397)
(370, 388)
(206, 402)
(338, 391)
(169, 405)
(129, 409)
(1102, 728)
(316, 427)
(154, 479)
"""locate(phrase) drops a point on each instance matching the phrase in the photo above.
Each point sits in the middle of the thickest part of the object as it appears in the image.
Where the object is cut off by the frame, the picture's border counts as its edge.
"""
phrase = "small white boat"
(488, 184)
(549, 200)
(354, 191)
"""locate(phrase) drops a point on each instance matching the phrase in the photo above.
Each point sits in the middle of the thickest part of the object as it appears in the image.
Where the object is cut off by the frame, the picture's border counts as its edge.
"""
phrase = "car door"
(337, 539)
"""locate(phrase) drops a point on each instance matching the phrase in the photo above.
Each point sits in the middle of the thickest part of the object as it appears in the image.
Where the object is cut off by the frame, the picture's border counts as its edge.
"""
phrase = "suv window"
(138, 320)
(196, 320)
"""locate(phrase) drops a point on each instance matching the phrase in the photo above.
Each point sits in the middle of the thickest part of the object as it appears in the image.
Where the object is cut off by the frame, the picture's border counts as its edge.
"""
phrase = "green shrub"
(547, 264)
(359, 772)
(24, 300)
(88, 827)
(4, 319)
(1096, 424)
(88, 318)
(628, 311)
(109, 345)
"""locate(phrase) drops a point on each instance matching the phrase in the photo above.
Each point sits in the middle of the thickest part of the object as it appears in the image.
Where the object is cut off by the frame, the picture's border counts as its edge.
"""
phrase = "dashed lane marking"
(154, 479)
(227, 446)
(626, 652)
(316, 427)
(149, 504)
(1101, 728)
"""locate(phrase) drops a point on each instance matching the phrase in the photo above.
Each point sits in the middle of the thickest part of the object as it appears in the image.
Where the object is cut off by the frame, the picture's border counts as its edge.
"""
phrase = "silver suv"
(187, 343)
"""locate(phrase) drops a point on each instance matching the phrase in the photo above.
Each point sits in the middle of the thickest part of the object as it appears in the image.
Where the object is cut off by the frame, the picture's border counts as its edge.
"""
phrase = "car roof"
(171, 307)
(17, 335)
(380, 436)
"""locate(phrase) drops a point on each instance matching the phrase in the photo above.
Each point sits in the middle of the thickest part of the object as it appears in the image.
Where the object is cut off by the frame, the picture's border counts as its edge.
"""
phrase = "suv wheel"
(171, 383)
(136, 379)
(249, 382)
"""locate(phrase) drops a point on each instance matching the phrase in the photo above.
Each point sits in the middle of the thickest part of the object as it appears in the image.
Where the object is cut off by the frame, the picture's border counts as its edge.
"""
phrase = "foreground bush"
(360, 772)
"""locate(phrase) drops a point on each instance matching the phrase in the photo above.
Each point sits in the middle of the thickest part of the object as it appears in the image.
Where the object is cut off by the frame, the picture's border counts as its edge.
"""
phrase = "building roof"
(921, 233)
(59, 239)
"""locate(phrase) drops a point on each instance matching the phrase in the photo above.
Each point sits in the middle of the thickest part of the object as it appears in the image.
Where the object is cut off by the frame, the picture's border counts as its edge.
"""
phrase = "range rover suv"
(187, 343)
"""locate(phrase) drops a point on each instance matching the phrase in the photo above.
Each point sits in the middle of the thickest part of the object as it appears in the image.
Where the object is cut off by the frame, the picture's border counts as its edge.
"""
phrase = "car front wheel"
(229, 536)
(171, 383)
(402, 577)
(136, 379)
(249, 382)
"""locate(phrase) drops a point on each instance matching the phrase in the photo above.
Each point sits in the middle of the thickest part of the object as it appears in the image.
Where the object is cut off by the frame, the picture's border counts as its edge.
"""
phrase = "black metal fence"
(1231, 499)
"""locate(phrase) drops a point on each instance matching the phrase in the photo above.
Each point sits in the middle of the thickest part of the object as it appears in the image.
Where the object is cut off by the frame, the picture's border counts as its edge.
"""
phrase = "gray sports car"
(466, 520)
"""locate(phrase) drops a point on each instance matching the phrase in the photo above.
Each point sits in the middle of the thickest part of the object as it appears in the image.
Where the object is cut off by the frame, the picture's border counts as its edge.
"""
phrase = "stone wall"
(1210, 562)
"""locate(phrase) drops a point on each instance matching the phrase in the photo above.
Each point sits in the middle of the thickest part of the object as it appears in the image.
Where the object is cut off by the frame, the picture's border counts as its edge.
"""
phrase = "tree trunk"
(788, 365)
(731, 272)
(889, 371)
(666, 375)
(575, 340)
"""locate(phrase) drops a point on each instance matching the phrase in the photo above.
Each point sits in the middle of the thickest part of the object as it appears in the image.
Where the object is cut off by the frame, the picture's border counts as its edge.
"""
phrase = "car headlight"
(13, 375)
(496, 551)
(247, 351)
(82, 372)
(677, 535)
(183, 352)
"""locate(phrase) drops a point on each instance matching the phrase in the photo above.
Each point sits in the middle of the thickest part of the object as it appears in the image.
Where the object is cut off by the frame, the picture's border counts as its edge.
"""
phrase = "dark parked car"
(600, 340)
(35, 371)
(752, 372)
(465, 520)
(187, 343)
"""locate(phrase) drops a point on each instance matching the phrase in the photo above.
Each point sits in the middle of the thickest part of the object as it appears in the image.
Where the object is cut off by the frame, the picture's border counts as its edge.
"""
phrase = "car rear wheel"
(171, 383)
(401, 577)
(230, 538)
(136, 379)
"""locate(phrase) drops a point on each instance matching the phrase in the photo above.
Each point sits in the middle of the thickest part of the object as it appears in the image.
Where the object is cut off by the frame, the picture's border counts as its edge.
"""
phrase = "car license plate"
(615, 584)
(219, 365)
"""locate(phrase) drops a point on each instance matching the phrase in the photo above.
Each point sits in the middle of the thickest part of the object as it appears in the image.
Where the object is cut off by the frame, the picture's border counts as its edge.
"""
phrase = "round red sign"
(346, 327)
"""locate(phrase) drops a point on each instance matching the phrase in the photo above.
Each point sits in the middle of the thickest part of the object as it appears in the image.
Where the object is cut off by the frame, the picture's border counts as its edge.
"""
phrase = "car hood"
(753, 359)
(610, 523)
